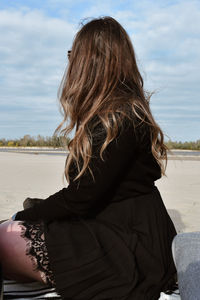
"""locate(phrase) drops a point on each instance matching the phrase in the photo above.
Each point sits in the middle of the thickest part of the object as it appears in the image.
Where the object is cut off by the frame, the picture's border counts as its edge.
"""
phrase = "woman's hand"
(13, 217)
(30, 202)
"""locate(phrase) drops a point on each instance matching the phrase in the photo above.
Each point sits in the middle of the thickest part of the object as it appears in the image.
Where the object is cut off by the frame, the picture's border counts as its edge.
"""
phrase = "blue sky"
(34, 39)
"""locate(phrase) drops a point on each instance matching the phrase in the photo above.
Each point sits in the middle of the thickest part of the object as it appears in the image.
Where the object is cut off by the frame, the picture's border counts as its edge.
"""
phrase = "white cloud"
(33, 53)
(33, 57)
(165, 35)
(167, 42)
(166, 38)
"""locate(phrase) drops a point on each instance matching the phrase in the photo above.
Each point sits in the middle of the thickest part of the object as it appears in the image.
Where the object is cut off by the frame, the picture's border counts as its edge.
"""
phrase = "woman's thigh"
(15, 263)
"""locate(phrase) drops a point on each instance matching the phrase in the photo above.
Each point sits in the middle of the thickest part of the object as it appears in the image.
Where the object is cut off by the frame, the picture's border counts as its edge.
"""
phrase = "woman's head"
(103, 79)
(102, 65)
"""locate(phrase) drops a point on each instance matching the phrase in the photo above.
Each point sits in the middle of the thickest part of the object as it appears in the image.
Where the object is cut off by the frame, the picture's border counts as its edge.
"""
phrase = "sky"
(34, 39)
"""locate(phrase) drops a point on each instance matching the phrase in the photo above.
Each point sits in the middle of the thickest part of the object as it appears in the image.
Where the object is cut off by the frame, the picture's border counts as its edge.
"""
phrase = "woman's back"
(107, 235)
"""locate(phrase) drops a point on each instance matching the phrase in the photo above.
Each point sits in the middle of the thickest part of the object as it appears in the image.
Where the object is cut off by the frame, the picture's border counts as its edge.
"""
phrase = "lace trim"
(36, 249)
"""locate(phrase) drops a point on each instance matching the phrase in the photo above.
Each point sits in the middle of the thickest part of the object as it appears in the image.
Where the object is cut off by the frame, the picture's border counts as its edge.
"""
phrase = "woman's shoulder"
(130, 126)
(137, 124)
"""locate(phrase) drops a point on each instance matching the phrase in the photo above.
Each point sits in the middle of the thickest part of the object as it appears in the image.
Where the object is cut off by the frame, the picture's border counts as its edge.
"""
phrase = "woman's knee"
(15, 262)
(10, 237)
(12, 245)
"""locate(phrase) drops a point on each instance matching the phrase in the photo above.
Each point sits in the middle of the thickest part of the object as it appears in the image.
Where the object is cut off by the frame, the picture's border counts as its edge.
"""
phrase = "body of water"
(185, 153)
(52, 151)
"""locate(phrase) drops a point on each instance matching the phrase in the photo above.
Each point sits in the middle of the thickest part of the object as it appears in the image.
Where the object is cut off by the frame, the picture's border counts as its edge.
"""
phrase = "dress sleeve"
(82, 196)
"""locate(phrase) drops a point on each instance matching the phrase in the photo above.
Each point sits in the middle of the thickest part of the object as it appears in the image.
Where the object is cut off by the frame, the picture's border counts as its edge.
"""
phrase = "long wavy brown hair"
(102, 79)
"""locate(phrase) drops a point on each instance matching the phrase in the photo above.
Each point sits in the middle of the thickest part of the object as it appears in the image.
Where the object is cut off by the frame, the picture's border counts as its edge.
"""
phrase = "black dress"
(110, 238)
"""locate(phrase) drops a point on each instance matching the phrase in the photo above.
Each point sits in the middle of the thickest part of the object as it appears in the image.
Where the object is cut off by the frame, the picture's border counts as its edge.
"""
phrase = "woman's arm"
(83, 195)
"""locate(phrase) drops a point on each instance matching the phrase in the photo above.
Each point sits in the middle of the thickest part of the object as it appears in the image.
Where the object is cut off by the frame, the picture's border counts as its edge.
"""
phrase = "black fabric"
(110, 239)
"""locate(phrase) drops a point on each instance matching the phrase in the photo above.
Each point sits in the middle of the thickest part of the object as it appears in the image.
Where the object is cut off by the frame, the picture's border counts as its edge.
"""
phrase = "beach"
(36, 175)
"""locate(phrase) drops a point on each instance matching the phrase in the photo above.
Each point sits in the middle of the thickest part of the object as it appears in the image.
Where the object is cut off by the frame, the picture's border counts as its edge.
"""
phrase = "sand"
(38, 176)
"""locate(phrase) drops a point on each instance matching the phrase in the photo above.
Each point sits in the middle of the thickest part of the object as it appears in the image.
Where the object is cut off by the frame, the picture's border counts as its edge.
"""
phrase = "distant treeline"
(56, 142)
(184, 145)
(39, 141)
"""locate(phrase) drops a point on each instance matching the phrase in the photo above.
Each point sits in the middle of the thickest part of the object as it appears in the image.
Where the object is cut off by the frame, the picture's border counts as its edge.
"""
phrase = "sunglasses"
(68, 53)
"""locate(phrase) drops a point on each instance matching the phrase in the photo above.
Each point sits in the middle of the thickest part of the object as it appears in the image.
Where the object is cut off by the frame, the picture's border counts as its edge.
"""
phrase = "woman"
(108, 234)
